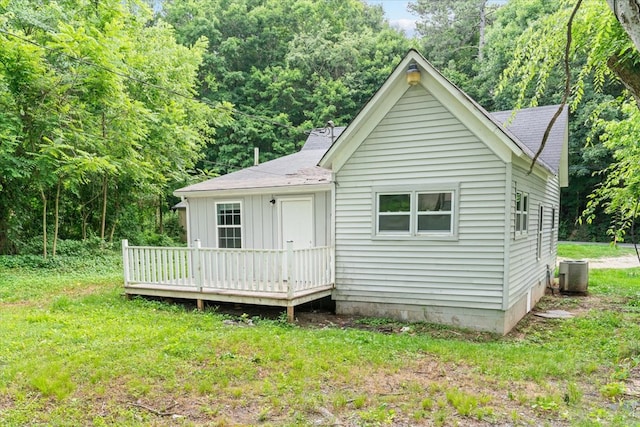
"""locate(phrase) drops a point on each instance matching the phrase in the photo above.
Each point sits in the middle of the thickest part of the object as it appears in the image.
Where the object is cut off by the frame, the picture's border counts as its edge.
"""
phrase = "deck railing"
(282, 271)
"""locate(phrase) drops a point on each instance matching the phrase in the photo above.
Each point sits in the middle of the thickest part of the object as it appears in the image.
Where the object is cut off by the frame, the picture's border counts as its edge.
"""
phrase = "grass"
(579, 251)
(73, 351)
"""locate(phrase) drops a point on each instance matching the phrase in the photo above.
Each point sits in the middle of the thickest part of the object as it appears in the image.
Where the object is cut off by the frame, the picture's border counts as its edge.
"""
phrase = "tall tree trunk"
(104, 206)
(113, 230)
(160, 222)
(116, 211)
(483, 24)
(56, 219)
(85, 216)
(104, 185)
(5, 212)
(628, 14)
(628, 73)
(44, 222)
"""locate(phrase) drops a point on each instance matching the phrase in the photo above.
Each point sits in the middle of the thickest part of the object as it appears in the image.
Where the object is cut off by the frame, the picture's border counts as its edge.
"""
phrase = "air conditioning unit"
(574, 276)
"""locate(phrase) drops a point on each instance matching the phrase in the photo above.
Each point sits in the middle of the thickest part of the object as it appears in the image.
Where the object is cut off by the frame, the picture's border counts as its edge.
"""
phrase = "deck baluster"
(280, 277)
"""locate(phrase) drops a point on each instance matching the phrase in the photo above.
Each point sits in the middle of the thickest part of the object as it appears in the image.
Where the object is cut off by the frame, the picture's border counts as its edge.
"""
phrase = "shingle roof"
(295, 169)
(529, 124)
(526, 129)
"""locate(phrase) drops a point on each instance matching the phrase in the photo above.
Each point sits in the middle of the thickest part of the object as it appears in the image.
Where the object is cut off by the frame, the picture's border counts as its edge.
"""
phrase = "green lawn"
(74, 351)
(596, 250)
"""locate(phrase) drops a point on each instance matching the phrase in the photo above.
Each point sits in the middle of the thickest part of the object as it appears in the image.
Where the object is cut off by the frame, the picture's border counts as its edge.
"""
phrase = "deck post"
(197, 270)
(125, 261)
(290, 281)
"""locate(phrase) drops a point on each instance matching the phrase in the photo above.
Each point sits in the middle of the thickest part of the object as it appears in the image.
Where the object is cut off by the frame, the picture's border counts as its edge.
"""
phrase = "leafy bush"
(172, 226)
(98, 262)
(29, 262)
(85, 247)
(152, 239)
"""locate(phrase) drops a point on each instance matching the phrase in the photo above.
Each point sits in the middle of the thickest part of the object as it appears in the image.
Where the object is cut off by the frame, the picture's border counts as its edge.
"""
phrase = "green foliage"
(450, 39)
(97, 98)
(619, 193)
(98, 116)
(287, 66)
(450, 36)
(601, 52)
(613, 391)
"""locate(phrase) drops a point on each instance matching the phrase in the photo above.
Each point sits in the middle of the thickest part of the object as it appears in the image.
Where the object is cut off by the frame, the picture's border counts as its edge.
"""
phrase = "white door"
(296, 222)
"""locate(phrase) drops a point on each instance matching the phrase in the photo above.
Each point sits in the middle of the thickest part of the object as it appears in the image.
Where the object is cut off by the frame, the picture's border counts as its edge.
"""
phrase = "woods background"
(107, 106)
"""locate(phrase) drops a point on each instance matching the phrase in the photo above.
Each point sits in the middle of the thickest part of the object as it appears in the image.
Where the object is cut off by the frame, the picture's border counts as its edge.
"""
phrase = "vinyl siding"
(259, 219)
(421, 145)
(525, 270)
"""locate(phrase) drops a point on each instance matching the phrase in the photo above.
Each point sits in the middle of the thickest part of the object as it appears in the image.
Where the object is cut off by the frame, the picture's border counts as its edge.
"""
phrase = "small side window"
(522, 213)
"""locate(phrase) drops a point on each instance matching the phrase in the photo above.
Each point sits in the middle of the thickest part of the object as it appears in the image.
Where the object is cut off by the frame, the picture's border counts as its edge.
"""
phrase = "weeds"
(613, 391)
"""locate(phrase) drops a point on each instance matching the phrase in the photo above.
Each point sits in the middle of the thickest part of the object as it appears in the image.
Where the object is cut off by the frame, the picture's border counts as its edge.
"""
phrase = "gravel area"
(628, 261)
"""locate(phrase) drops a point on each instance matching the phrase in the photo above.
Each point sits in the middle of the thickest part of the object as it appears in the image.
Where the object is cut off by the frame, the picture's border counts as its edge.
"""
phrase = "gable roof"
(517, 138)
(298, 169)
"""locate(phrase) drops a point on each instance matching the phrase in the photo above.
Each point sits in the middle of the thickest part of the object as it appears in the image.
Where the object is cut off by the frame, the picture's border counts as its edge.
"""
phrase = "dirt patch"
(324, 319)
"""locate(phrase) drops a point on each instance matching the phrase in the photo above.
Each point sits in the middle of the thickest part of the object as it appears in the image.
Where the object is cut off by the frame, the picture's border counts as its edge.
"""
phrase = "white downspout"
(187, 212)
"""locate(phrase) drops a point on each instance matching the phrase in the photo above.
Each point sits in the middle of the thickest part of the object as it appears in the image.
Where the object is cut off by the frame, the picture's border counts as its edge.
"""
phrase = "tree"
(99, 115)
(286, 66)
(453, 35)
(610, 51)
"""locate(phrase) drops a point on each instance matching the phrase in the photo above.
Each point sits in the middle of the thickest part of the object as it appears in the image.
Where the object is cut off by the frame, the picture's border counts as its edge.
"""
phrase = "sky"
(397, 14)
(399, 17)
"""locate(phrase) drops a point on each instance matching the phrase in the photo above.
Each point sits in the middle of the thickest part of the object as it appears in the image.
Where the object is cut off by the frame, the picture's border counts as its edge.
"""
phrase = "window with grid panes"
(229, 225)
(522, 213)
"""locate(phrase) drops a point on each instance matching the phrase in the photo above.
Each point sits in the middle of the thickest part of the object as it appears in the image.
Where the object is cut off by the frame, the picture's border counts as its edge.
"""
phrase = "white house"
(425, 200)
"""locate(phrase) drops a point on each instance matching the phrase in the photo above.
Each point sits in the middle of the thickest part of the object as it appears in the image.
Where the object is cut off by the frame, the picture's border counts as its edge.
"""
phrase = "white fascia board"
(540, 171)
(288, 189)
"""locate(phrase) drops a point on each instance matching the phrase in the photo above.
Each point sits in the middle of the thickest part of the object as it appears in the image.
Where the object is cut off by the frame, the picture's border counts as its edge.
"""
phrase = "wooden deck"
(283, 278)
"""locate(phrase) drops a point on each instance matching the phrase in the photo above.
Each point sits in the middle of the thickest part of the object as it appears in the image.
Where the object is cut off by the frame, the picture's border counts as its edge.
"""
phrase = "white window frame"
(413, 213)
(541, 210)
(450, 212)
(219, 226)
(408, 213)
(521, 217)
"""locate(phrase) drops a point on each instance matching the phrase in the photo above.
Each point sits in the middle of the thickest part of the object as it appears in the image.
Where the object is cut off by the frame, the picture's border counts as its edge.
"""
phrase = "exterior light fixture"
(413, 74)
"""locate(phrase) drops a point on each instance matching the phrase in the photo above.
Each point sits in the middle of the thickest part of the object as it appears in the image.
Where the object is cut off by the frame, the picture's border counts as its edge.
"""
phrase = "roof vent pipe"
(256, 156)
(330, 126)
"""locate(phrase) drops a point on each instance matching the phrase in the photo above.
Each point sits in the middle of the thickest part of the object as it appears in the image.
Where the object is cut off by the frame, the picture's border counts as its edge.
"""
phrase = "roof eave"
(279, 189)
